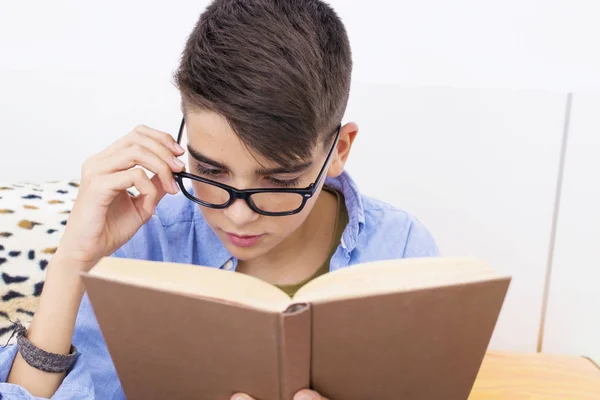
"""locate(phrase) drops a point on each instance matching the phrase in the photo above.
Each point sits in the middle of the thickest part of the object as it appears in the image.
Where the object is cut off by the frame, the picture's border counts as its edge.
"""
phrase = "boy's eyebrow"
(203, 159)
(261, 171)
(284, 170)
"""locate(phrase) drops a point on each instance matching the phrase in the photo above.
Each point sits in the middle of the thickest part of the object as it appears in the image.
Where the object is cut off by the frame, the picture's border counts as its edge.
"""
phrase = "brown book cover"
(410, 329)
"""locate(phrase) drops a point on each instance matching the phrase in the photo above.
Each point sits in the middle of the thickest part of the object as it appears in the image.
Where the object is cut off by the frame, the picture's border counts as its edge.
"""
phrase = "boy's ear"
(340, 155)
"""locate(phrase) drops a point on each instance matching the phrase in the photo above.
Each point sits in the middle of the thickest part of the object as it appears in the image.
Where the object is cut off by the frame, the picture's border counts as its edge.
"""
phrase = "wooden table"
(507, 376)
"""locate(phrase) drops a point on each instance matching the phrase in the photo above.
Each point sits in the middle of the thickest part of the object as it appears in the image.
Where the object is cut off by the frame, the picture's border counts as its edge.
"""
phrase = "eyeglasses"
(274, 202)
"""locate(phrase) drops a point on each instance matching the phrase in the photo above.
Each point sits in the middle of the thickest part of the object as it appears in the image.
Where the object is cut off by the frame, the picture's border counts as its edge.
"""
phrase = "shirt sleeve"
(92, 377)
(420, 242)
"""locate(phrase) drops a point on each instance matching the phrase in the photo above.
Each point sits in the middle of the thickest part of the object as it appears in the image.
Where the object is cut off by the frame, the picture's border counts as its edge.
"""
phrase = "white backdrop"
(571, 323)
(531, 44)
(478, 165)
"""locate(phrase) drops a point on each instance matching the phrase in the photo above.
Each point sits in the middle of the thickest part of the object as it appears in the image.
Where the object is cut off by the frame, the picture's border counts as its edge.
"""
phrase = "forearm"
(52, 326)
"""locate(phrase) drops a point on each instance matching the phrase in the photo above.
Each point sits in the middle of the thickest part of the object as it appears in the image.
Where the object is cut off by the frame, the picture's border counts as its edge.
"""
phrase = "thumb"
(306, 394)
(241, 396)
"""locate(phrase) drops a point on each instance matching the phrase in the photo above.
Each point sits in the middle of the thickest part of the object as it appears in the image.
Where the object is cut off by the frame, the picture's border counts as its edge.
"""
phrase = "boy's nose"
(239, 213)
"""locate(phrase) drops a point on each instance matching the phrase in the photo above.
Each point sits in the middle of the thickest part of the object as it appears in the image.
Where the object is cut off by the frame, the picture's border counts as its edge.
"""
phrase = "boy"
(264, 86)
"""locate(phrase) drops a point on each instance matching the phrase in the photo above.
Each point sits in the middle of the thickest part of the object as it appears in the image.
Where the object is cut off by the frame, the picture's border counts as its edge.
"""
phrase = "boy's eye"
(205, 171)
(202, 170)
(283, 182)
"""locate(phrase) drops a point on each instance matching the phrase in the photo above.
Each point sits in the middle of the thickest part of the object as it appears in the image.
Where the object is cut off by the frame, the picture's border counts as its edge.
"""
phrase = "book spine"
(294, 350)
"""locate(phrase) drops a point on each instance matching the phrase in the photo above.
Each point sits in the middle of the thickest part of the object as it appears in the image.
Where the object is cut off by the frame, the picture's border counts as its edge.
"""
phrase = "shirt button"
(228, 266)
(343, 244)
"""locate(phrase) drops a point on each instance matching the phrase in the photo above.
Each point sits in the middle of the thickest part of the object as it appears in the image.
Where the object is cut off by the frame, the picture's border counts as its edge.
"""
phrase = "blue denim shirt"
(178, 233)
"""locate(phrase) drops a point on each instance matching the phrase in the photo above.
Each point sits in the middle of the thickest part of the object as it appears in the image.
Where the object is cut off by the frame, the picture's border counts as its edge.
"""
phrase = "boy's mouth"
(243, 240)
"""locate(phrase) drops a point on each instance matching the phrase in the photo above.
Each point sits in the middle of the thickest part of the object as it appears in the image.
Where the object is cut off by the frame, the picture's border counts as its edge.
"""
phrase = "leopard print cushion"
(32, 222)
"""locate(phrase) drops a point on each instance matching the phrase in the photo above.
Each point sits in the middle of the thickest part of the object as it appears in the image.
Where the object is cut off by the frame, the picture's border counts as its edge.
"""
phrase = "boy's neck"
(301, 254)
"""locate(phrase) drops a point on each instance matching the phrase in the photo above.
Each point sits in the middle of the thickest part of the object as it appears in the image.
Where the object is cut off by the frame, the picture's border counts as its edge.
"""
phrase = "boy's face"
(246, 234)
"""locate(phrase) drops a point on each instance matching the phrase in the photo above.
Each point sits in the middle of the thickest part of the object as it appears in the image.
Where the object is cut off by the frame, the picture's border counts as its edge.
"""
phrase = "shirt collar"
(354, 205)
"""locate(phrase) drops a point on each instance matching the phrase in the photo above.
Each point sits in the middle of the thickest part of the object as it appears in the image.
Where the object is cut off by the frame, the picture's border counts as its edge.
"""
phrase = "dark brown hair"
(278, 70)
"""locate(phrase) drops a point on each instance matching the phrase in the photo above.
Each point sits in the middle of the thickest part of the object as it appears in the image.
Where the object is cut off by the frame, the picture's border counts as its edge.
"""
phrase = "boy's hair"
(278, 70)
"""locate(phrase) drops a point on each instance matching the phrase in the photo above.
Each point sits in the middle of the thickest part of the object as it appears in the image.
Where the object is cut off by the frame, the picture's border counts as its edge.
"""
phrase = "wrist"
(63, 282)
(67, 263)
(58, 306)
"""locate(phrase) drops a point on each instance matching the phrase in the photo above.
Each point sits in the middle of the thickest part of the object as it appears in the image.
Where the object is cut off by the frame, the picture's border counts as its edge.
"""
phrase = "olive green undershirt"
(340, 224)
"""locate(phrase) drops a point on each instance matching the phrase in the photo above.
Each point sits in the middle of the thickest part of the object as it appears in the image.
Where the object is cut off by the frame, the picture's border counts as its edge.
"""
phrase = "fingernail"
(178, 148)
(178, 162)
(304, 396)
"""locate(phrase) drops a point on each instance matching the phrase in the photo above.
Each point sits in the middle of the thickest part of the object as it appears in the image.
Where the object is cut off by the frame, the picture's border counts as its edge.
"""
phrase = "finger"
(241, 396)
(135, 138)
(146, 203)
(118, 182)
(167, 141)
(138, 155)
(306, 394)
(150, 192)
(157, 145)
(123, 180)
(106, 189)
(162, 137)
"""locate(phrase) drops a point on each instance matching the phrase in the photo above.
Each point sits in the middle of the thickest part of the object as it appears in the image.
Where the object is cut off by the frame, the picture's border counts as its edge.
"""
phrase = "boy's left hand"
(304, 394)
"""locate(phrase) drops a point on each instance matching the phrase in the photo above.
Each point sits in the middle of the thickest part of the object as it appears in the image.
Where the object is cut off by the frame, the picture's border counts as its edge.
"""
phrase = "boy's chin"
(246, 253)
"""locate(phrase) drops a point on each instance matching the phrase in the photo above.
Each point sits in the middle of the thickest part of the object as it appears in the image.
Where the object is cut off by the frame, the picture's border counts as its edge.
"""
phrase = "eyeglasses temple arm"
(180, 130)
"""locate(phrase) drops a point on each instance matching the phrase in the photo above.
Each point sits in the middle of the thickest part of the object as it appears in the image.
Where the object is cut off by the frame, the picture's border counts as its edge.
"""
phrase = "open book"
(402, 329)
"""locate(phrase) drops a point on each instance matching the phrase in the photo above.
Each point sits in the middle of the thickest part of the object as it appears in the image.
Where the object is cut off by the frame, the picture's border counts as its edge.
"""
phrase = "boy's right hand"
(104, 216)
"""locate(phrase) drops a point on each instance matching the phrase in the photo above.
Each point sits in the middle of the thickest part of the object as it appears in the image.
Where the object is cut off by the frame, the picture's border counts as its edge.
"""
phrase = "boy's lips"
(243, 240)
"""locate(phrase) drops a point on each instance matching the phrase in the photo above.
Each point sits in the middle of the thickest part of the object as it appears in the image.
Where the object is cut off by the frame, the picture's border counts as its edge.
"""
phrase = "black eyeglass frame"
(306, 193)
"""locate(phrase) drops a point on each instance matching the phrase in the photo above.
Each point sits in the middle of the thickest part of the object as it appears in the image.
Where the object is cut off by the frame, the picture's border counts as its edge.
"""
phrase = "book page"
(390, 276)
(195, 280)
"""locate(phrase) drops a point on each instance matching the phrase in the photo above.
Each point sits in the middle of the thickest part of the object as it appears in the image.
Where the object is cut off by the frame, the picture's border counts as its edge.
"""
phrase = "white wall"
(51, 121)
(523, 44)
(528, 44)
(476, 165)
(572, 324)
